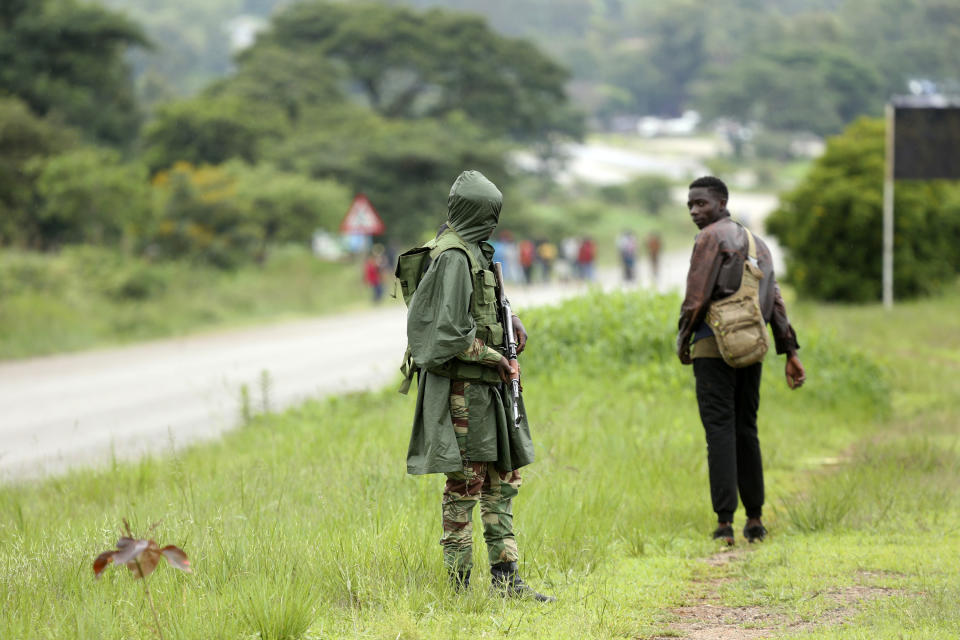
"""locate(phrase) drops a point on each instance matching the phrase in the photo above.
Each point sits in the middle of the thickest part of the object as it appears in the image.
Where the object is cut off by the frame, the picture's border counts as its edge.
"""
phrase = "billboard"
(926, 138)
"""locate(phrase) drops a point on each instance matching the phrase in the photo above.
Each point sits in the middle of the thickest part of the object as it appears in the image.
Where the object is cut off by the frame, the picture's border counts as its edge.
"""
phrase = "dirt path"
(705, 617)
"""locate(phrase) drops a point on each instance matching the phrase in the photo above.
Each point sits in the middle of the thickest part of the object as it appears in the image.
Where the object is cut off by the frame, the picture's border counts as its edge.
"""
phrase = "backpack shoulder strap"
(751, 244)
(450, 240)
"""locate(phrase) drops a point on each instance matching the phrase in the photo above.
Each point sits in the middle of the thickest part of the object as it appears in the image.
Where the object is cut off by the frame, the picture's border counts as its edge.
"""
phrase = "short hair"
(713, 184)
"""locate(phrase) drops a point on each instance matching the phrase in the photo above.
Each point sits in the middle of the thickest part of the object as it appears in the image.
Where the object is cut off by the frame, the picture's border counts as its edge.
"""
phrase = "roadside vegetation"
(304, 524)
(87, 297)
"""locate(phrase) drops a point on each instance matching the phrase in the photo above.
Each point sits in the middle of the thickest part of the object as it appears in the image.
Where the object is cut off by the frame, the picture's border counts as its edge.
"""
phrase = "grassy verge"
(91, 297)
(304, 525)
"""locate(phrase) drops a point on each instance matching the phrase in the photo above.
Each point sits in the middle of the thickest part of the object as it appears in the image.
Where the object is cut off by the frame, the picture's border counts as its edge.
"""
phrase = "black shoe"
(724, 533)
(506, 582)
(460, 580)
(756, 533)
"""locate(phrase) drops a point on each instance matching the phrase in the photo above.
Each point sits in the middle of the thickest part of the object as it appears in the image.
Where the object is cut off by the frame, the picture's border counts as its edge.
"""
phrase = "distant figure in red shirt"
(373, 272)
(586, 257)
(527, 255)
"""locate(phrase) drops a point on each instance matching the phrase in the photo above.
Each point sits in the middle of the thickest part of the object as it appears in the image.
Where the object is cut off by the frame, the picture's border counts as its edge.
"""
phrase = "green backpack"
(412, 265)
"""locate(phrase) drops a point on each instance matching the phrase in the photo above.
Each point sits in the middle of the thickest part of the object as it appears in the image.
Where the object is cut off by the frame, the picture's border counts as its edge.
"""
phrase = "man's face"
(705, 206)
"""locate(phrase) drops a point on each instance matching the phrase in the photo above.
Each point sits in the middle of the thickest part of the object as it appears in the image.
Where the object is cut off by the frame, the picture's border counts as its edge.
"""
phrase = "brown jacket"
(716, 268)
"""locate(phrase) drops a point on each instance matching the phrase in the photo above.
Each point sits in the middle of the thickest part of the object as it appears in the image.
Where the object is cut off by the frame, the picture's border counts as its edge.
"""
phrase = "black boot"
(460, 580)
(507, 583)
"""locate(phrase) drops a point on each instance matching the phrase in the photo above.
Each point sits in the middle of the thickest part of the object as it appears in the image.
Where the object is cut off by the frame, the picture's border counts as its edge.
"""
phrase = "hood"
(473, 207)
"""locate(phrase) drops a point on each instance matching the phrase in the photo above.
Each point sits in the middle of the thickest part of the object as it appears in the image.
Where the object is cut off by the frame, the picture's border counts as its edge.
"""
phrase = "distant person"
(586, 257)
(654, 245)
(456, 341)
(728, 397)
(527, 256)
(627, 249)
(508, 257)
(373, 272)
(569, 250)
(547, 253)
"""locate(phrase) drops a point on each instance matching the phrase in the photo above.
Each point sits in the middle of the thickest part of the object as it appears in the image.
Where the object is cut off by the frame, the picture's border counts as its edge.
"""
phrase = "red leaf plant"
(141, 557)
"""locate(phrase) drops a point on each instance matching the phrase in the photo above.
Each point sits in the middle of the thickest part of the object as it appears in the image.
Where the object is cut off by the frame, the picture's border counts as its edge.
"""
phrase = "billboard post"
(888, 211)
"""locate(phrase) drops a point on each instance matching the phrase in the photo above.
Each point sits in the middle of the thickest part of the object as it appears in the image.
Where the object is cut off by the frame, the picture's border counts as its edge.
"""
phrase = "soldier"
(460, 427)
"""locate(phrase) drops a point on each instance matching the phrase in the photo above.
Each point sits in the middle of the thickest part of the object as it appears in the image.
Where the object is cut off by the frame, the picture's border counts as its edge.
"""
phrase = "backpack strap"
(449, 239)
(751, 246)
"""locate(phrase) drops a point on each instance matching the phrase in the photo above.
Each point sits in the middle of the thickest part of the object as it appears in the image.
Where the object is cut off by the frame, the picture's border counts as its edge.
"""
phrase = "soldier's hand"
(520, 333)
(796, 375)
(508, 369)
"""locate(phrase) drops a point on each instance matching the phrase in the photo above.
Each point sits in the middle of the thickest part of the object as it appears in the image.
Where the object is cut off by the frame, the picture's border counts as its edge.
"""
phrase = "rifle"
(511, 342)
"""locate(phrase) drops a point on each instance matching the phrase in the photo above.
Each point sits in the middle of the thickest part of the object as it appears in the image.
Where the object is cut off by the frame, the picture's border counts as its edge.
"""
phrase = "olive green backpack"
(737, 321)
(412, 265)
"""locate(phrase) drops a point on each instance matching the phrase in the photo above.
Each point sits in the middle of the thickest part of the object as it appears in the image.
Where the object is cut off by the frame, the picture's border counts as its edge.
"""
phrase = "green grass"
(304, 524)
(88, 297)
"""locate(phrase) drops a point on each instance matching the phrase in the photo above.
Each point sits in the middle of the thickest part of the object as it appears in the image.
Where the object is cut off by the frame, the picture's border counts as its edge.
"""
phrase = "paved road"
(64, 410)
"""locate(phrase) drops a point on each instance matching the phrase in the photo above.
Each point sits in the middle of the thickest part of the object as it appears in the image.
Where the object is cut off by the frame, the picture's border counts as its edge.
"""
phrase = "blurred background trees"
(204, 129)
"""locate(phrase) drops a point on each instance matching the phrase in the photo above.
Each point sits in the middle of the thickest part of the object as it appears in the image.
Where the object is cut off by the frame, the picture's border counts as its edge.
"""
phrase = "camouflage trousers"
(476, 482)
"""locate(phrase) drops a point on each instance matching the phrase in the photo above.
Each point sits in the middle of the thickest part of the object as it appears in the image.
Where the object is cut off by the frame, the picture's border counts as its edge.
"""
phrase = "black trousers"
(728, 399)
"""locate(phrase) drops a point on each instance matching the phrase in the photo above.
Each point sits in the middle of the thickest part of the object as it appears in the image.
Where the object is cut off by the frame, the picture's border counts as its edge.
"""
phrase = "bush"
(90, 195)
(832, 224)
(202, 218)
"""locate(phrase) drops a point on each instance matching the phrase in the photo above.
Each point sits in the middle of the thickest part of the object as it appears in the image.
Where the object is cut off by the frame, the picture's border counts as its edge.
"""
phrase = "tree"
(201, 218)
(831, 224)
(63, 57)
(404, 167)
(813, 88)
(24, 139)
(207, 131)
(276, 83)
(90, 196)
(289, 207)
(411, 65)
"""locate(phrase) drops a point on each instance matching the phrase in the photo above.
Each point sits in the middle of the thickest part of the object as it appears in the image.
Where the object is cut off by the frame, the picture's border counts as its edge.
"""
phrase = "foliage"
(824, 88)
(204, 131)
(637, 57)
(24, 138)
(83, 297)
(289, 207)
(648, 193)
(404, 167)
(278, 82)
(202, 218)
(230, 214)
(91, 196)
(65, 57)
(831, 224)
(407, 64)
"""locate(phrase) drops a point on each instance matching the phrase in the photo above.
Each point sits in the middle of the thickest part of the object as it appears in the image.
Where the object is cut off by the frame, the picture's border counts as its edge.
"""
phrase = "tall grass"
(88, 296)
(304, 525)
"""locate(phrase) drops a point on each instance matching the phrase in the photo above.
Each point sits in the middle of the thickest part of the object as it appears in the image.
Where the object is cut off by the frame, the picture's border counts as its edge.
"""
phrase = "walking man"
(728, 397)
(460, 426)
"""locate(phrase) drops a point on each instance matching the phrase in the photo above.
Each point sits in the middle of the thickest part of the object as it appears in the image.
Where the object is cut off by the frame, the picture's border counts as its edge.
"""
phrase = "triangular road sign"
(362, 218)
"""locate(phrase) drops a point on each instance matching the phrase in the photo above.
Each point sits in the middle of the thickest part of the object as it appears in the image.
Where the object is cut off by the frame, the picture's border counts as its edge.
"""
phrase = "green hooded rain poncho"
(441, 327)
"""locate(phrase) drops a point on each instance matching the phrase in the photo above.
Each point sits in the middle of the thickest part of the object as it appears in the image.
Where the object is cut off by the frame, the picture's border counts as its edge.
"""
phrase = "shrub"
(90, 195)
